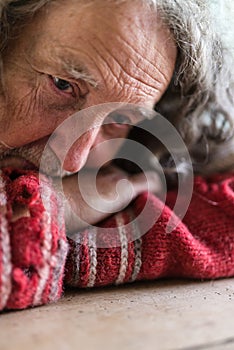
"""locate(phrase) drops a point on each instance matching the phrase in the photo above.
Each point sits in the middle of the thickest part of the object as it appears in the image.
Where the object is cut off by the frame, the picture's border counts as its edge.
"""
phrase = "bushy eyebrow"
(80, 72)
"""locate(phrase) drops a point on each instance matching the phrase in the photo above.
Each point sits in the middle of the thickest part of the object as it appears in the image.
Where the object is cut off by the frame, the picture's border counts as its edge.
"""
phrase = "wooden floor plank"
(170, 315)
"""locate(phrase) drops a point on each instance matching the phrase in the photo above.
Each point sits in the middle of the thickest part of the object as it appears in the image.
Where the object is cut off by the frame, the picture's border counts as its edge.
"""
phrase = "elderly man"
(70, 57)
(74, 55)
(62, 57)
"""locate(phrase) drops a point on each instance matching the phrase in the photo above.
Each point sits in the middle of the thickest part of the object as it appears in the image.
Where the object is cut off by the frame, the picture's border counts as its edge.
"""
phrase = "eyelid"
(80, 83)
(52, 82)
(67, 85)
(75, 88)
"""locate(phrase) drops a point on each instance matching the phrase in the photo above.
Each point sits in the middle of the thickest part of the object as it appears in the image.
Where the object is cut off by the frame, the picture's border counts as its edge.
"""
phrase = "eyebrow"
(80, 72)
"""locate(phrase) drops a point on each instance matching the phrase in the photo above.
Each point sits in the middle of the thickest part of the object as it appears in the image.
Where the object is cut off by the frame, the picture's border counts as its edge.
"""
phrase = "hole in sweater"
(29, 271)
(19, 211)
(14, 175)
(25, 193)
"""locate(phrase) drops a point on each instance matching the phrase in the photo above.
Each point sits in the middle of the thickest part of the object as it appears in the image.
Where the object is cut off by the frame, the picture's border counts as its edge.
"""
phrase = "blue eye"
(118, 118)
(61, 84)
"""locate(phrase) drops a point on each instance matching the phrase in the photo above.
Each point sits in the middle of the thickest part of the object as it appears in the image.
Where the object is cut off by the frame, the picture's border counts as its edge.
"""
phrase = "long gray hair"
(200, 98)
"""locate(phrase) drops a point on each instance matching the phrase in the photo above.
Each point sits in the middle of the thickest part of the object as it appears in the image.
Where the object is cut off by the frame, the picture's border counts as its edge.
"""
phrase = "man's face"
(73, 56)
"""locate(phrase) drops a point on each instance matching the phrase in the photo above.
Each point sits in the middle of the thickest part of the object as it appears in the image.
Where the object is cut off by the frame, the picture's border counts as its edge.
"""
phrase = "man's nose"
(79, 152)
(73, 140)
(73, 156)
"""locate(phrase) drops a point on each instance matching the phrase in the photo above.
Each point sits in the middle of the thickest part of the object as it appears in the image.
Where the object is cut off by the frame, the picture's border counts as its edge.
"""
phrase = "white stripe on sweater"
(92, 257)
(60, 255)
(6, 263)
(76, 259)
(138, 261)
(124, 248)
(44, 272)
(137, 247)
(5, 249)
(57, 261)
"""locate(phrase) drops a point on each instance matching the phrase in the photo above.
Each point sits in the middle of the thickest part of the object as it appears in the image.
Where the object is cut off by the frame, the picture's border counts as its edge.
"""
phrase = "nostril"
(118, 119)
(117, 125)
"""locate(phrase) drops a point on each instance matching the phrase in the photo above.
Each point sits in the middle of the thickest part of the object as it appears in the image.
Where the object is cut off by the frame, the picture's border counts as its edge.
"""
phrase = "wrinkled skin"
(129, 55)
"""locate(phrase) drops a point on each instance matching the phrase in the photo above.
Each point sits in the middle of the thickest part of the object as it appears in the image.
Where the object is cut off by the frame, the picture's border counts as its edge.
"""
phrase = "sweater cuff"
(33, 249)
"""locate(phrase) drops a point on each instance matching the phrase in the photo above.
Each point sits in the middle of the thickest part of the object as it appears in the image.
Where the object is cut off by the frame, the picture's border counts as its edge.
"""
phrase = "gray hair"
(199, 100)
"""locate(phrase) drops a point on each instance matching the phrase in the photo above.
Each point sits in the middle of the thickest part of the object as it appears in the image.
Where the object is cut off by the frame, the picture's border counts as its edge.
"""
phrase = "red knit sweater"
(34, 250)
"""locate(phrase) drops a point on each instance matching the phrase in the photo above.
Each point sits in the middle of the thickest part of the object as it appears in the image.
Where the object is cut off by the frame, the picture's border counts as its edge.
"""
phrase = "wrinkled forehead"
(126, 29)
(126, 17)
(119, 44)
(114, 21)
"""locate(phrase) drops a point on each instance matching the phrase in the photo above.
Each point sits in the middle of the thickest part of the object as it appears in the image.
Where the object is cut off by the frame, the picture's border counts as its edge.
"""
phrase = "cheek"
(23, 118)
(28, 116)
(30, 109)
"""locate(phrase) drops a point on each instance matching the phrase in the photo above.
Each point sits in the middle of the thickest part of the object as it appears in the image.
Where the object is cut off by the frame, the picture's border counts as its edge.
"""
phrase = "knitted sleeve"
(32, 249)
(202, 246)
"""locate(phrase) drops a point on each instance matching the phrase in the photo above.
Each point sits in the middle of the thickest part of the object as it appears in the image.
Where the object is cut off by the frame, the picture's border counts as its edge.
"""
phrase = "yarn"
(201, 247)
(33, 249)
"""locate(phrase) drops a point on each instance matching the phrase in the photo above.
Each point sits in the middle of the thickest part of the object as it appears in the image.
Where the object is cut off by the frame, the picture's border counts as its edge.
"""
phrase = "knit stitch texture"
(33, 249)
(201, 247)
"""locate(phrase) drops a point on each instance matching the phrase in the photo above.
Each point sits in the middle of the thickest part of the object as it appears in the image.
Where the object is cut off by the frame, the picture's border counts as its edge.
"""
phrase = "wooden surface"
(157, 315)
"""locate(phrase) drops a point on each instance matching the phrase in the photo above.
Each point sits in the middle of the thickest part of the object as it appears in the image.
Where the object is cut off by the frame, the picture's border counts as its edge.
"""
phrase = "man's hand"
(111, 194)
